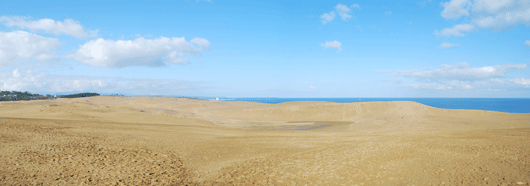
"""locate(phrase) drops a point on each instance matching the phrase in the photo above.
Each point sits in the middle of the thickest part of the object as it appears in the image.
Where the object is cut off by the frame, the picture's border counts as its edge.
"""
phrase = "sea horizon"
(509, 105)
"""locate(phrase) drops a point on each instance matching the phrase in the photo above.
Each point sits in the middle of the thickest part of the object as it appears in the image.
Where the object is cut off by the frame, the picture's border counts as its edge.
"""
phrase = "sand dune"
(175, 141)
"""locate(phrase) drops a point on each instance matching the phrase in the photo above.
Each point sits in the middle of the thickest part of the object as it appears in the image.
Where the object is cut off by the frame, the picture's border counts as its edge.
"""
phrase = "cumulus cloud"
(503, 19)
(461, 72)
(138, 52)
(527, 43)
(68, 26)
(492, 6)
(332, 44)
(18, 80)
(327, 17)
(203, 44)
(455, 31)
(492, 14)
(342, 10)
(21, 45)
(521, 81)
(455, 9)
(448, 45)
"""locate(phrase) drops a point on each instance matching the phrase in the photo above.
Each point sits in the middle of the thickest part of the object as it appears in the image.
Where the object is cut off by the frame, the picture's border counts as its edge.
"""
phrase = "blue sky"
(457, 48)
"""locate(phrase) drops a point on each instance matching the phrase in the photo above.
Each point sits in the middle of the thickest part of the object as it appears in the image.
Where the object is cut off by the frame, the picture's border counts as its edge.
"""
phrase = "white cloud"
(455, 9)
(21, 45)
(492, 14)
(462, 77)
(461, 72)
(332, 44)
(521, 81)
(35, 82)
(448, 45)
(493, 84)
(15, 81)
(30, 80)
(312, 87)
(343, 11)
(203, 44)
(503, 19)
(327, 17)
(138, 52)
(388, 13)
(445, 85)
(68, 26)
(527, 43)
(492, 6)
(455, 31)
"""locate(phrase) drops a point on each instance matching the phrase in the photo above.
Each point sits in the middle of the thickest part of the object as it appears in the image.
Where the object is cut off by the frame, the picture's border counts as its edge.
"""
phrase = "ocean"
(511, 105)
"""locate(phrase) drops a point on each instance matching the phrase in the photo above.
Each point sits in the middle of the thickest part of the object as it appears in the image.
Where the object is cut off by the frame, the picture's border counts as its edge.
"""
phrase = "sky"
(304, 49)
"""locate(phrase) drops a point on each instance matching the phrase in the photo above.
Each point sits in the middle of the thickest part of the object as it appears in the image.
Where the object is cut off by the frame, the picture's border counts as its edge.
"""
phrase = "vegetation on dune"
(17, 96)
(80, 95)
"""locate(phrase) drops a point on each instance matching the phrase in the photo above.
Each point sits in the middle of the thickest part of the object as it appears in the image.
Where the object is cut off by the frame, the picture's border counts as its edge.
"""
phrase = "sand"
(175, 141)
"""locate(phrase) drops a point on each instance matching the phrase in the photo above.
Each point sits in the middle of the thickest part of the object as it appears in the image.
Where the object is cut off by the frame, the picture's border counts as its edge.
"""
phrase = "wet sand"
(175, 141)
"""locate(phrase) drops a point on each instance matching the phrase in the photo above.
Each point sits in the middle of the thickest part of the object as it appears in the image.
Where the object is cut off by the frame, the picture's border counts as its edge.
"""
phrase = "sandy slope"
(170, 141)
